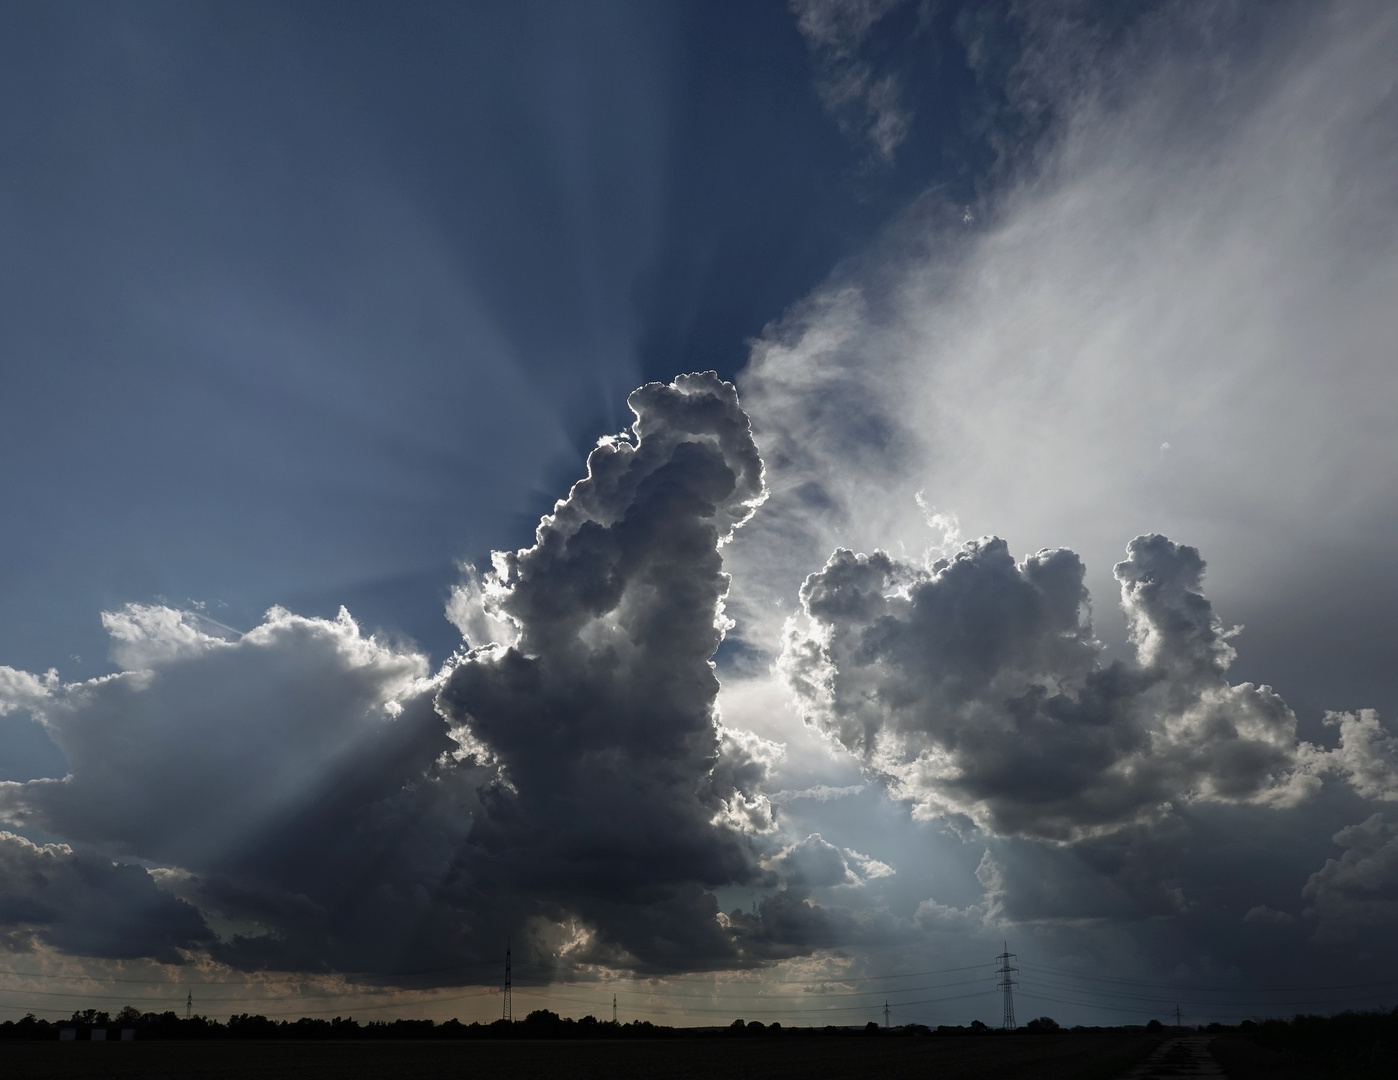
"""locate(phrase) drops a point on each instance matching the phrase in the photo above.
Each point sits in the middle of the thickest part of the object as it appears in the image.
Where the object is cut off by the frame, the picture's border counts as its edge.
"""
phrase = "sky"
(759, 507)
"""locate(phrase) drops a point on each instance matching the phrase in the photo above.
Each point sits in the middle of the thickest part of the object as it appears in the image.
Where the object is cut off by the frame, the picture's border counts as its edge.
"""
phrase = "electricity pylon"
(1007, 985)
(509, 1006)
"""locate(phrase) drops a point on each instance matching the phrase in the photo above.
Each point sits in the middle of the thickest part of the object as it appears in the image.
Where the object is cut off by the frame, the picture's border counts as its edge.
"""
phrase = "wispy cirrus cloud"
(865, 102)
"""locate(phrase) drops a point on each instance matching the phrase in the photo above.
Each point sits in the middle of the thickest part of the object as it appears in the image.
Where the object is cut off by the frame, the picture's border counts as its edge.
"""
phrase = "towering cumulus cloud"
(616, 799)
(975, 686)
(325, 802)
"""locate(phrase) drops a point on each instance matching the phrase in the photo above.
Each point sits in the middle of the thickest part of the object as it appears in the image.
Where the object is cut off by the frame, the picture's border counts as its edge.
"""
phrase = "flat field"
(1024, 1057)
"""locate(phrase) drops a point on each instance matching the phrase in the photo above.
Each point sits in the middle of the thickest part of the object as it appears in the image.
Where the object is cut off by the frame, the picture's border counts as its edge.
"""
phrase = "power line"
(227, 1001)
(87, 995)
(84, 977)
(1220, 1009)
(1030, 966)
(1113, 994)
(1107, 999)
(781, 986)
(831, 979)
(776, 1010)
(1155, 983)
(232, 982)
(1169, 999)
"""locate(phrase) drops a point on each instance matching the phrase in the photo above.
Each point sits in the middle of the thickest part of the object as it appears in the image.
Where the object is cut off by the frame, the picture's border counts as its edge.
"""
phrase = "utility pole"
(189, 1005)
(1007, 984)
(509, 1007)
(613, 1008)
(885, 1014)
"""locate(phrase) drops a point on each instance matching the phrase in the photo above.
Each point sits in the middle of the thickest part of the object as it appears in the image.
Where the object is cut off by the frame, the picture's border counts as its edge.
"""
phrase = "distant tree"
(757, 1026)
(30, 1027)
(871, 1028)
(976, 1025)
(1043, 1023)
(1154, 1025)
(128, 1016)
(243, 1026)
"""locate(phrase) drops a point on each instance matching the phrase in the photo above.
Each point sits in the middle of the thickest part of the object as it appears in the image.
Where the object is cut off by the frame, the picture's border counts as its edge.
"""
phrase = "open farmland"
(1060, 1057)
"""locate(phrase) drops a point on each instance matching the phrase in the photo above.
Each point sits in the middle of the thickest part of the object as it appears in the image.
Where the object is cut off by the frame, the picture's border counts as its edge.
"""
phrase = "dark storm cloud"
(1130, 873)
(332, 805)
(88, 905)
(285, 780)
(1358, 892)
(616, 796)
(207, 749)
(792, 922)
(975, 686)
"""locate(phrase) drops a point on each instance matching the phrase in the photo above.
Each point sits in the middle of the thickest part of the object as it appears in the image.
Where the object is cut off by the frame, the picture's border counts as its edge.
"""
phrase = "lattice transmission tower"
(1007, 984)
(509, 1005)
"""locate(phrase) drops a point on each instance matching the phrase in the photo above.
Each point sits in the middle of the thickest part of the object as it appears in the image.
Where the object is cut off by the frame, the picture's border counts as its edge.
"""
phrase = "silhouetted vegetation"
(678, 1054)
(1350, 1044)
(540, 1024)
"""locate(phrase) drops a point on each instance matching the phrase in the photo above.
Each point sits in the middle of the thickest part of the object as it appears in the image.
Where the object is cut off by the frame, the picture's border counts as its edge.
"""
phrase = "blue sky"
(313, 306)
(306, 302)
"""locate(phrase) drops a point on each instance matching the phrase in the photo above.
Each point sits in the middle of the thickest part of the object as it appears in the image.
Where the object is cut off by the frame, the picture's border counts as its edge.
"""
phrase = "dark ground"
(1023, 1057)
(1245, 1059)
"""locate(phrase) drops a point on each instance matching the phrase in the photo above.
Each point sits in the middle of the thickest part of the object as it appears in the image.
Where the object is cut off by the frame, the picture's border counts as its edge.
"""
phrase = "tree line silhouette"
(540, 1024)
(1365, 1039)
